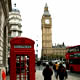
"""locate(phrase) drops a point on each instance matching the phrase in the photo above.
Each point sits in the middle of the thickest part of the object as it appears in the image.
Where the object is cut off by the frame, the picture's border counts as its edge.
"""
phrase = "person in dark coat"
(47, 72)
(62, 73)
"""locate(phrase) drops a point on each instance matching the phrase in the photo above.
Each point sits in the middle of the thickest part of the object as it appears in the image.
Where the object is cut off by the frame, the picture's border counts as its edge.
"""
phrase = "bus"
(73, 58)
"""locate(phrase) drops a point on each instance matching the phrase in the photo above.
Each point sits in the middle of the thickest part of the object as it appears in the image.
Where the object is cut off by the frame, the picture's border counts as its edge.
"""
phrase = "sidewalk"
(39, 75)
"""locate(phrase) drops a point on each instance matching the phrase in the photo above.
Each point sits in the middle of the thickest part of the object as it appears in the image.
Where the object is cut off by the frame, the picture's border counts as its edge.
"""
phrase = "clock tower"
(46, 29)
(46, 26)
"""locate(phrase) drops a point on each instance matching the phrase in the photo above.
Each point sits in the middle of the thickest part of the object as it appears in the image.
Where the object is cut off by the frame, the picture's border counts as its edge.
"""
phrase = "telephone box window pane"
(22, 57)
(22, 78)
(18, 70)
(18, 78)
(22, 46)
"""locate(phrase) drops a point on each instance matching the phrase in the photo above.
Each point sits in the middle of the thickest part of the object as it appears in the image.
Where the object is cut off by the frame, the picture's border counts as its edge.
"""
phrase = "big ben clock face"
(47, 21)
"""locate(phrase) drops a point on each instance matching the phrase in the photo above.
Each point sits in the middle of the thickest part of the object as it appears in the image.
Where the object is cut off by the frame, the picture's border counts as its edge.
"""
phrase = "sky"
(65, 20)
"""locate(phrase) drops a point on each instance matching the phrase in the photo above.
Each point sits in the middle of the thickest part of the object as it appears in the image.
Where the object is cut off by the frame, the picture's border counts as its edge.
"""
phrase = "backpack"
(54, 67)
(63, 71)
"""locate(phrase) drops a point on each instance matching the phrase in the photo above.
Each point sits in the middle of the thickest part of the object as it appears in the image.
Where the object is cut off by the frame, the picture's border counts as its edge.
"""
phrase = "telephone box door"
(22, 67)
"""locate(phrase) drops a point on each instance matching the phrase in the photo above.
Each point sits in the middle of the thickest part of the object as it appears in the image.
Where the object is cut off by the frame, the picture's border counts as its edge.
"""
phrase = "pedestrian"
(47, 72)
(62, 73)
(3, 75)
(55, 68)
(39, 64)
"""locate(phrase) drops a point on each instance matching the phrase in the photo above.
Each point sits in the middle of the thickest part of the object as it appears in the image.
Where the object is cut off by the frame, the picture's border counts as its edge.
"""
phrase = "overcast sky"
(65, 20)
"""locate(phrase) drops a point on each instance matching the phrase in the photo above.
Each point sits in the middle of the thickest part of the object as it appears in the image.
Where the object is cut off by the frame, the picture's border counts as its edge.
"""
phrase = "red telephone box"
(22, 59)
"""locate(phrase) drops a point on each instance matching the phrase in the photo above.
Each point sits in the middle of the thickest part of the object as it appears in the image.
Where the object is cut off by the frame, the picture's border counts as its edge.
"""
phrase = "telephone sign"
(22, 59)
(22, 46)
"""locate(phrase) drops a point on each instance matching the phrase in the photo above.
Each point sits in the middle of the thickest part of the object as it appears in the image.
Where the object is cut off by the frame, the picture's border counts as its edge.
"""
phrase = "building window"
(14, 27)
(14, 34)
(1, 62)
(0, 58)
(0, 42)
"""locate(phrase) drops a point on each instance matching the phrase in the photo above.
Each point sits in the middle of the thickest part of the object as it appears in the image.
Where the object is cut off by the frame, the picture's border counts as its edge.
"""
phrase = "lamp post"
(36, 49)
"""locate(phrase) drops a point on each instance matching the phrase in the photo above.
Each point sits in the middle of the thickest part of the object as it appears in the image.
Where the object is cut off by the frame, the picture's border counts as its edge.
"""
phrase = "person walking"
(62, 73)
(55, 68)
(47, 72)
(3, 74)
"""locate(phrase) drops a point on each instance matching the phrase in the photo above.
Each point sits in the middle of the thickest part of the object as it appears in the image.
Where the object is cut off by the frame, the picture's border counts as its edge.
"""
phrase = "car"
(44, 62)
(54, 61)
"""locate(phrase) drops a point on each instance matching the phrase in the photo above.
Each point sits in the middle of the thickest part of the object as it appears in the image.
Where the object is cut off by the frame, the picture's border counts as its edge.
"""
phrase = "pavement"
(71, 76)
(39, 76)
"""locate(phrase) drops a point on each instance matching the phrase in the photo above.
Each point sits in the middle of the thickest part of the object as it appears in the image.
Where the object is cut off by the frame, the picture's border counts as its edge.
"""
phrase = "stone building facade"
(49, 51)
(15, 25)
(5, 7)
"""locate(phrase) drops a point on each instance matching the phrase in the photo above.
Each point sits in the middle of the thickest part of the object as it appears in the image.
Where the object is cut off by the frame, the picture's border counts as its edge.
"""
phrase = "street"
(39, 76)
(71, 76)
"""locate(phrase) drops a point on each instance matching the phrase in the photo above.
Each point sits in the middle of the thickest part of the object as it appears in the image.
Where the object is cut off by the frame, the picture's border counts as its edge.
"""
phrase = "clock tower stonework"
(46, 27)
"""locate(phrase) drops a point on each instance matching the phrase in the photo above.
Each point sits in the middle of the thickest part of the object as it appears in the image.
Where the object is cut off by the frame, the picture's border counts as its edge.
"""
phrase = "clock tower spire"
(46, 12)
(46, 28)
